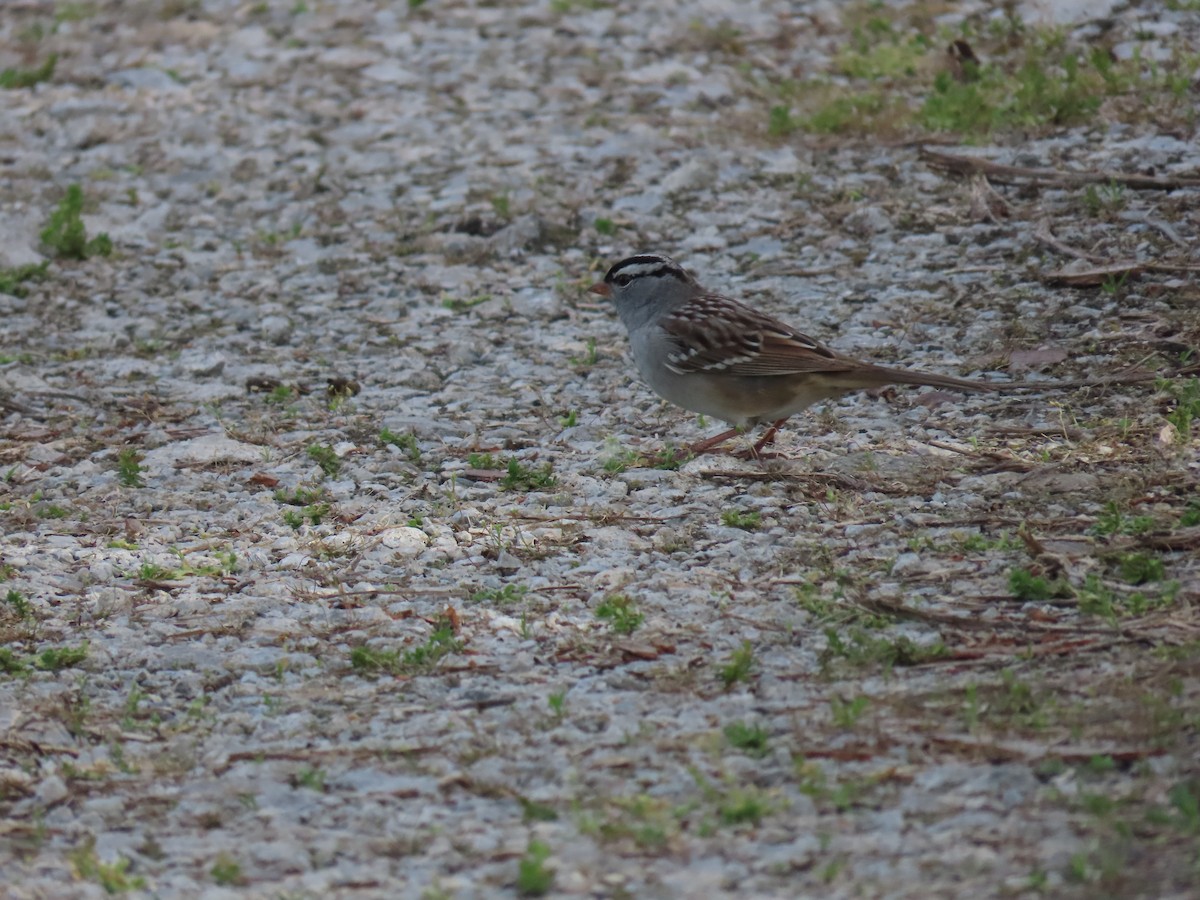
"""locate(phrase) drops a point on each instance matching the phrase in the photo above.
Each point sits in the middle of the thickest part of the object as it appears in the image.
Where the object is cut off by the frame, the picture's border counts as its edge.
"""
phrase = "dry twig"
(1005, 174)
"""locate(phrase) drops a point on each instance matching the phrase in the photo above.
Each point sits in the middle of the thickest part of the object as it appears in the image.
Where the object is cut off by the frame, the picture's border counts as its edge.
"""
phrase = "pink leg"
(709, 443)
(769, 437)
(755, 452)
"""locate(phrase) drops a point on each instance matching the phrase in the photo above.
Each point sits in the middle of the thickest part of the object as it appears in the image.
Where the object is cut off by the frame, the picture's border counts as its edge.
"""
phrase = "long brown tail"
(879, 375)
(869, 375)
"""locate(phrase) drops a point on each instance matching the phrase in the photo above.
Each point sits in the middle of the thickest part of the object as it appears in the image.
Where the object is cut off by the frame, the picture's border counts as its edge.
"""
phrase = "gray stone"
(145, 79)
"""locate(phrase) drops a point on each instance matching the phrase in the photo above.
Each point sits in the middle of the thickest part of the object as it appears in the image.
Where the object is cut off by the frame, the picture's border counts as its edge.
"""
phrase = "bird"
(713, 355)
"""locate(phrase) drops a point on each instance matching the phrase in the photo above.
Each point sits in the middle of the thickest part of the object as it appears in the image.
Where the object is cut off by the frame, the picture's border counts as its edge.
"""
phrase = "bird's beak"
(600, 288)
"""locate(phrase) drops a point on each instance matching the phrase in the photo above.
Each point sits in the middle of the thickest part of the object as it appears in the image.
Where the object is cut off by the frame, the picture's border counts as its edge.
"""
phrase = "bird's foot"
(756, 452)
(709, 444)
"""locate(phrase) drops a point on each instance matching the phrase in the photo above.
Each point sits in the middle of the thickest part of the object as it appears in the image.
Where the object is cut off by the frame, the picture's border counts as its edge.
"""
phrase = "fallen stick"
(1103, 270)
(1042, 235)
(1005, 174)
(1094, 277)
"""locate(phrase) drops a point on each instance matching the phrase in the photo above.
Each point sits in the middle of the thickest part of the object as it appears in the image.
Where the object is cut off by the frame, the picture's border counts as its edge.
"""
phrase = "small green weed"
(275, 238)
(671, 458)
(1100, 200)
(589, 358)
(73, 12)
(743, 806)
(198, 710)
(525, 478)
(1032, 79)
(457, 304)
(753, 739)
(1139, 568)
(226, 871)
(1184, 812)
(1186, 395)
(326, 458)
(534, 879)
(846, 114)
(226, 564)
(302, 496)
(419, 659)
(1025, 586)
(12, 79)
(1098, 599)
(131, 719)
(1114, 521)
(509, 593)
(646, 821)
(1018, 701)
(1051, 87)
(971, 708)
(113, 877)
(1113, 283)
(502, 205)
(485, 462)
(405, 442)
(974, 542)
(149, 571)
(734, 806)
(311, 777)
(10, 663)
(441, 643)
(65, 234)
(620, 460)
(863, 649)
(55, 659)
(781, 122)
(33, 33)
(19, 605)
(741, 663)
(1101, 764)
(315, 513)
(621, 613)
(605, 227)
(747, 521)
(12, 280)
(280, 394)
(828, 611)
(129, 467)
(532, 811)
(846, 714)
(869, 57)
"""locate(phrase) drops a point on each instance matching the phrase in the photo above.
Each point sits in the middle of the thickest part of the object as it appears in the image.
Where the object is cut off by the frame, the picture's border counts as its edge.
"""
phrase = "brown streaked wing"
(719, 335)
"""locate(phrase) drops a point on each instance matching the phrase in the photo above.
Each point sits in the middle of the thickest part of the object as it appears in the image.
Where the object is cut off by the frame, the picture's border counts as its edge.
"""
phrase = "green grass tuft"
(621, 613)
(12, 79)
(65, 234)
(12, 280)
(534, 879)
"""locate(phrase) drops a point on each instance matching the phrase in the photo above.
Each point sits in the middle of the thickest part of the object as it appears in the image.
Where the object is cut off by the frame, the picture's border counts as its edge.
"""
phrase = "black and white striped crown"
(645, 265)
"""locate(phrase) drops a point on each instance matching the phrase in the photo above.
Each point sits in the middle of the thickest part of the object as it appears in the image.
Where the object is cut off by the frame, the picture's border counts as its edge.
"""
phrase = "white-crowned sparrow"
(715, 356)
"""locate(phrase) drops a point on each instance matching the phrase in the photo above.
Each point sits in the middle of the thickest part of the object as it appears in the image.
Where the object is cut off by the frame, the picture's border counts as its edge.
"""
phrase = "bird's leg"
(715, 441)
(769, 437)
(755, 452)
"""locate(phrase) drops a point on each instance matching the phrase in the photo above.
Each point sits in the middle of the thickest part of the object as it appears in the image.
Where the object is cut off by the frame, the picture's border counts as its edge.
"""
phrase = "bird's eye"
(622, 280)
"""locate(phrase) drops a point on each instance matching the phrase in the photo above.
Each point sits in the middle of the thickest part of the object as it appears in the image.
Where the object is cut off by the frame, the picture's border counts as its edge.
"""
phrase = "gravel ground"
(334, 558)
